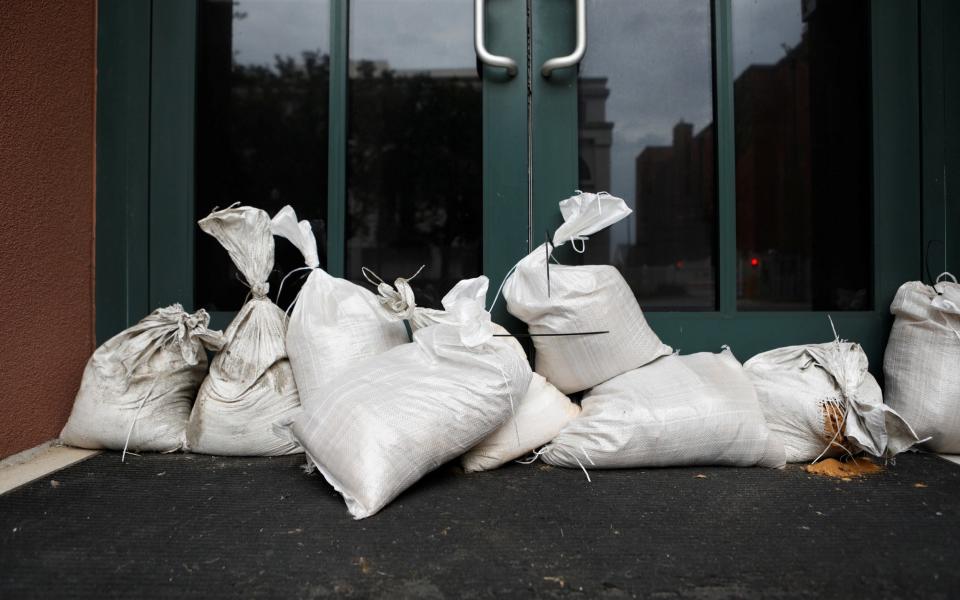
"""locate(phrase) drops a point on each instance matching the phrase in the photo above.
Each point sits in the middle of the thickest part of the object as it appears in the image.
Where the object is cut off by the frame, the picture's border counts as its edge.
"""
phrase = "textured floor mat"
(204, 527)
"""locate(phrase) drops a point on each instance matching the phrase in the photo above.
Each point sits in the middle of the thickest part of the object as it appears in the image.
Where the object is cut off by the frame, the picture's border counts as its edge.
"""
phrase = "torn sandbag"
(386, 421)
(823, 402)
(538, 417)
(250, 386)
(695, 410)
(581, 299)
(334, 323)
(138, 386)
(921, 365)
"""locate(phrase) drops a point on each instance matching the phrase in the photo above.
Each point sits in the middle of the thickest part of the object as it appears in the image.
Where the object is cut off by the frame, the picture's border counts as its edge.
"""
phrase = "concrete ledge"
(29, 465)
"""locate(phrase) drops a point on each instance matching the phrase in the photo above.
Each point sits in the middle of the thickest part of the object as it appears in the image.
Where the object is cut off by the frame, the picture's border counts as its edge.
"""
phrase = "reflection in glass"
(414, 149)
(647, 135)
(261, 130)
(802, 126)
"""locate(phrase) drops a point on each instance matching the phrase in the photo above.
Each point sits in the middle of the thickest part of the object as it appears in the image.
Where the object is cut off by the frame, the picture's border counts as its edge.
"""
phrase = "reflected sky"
(762, 28)
(399, 41)
(656, 57)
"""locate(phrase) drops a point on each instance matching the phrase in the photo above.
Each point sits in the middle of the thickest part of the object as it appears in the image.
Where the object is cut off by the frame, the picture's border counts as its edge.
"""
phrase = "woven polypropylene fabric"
(204, 527)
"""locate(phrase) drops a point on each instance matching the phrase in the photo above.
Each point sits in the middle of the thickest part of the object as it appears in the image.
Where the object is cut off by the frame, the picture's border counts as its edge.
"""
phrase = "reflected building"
(595, 142)
(596, 134)
(803, 172)
(676, 217)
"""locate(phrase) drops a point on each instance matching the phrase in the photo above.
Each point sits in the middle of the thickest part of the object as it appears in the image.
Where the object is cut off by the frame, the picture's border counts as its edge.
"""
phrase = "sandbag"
(921, 366)
(676, 411)
(823, 402)
(538, 417)
(250, 386)
(138, 386)
(386, 421)
(542, 414)
(334, 323)
(581, 299)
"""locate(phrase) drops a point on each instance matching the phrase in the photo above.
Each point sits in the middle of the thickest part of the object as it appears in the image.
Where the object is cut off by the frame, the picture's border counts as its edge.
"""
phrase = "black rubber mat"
(205, 527)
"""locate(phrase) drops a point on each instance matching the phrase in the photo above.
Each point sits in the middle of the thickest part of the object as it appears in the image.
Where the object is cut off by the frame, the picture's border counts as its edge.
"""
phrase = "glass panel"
(414, 150)
(803, 153)
(646, 135)
(261, 133)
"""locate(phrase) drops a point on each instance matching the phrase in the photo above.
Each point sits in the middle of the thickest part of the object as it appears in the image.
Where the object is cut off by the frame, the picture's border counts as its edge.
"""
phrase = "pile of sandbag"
(645, 406)
(374, 411)
(382, 423)
(822, 402)
(537, 418)
(250, 386)
(335, 323)
(921, 365)
(138, 387)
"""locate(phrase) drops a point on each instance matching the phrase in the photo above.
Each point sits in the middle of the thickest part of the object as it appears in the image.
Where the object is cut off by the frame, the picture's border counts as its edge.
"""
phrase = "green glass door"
(770, 150)
(374, 119)
(771, 163)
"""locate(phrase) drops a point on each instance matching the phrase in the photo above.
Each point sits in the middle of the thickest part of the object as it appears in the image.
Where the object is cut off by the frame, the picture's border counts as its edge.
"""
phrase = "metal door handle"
(574, 57)
(491, 60)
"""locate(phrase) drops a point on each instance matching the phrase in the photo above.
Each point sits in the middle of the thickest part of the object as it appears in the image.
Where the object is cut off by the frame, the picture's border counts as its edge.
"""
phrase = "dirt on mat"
(832, 467)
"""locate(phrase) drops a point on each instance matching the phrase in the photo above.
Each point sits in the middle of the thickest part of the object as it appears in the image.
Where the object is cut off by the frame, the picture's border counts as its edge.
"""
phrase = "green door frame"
(896, 182)
(144, 160)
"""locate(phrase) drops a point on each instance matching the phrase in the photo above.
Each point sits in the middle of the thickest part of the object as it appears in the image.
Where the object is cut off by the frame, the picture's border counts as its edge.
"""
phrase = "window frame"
(146, 64)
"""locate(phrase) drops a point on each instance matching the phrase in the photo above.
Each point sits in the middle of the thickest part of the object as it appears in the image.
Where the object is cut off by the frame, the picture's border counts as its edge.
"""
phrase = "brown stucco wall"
(47, 137)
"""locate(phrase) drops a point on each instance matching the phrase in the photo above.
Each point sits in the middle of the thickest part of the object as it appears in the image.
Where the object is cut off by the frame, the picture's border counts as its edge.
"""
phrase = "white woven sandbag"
(541, 415)
(138, 386)
(821, 400)
(538, 417)
(386, 421)
(581, 299)
(334, 323)
(676, 411)
(250, 386)
(921, 365)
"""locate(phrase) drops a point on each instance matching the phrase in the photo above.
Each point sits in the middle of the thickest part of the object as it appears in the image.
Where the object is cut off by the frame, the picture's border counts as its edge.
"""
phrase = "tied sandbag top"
(166, 328)
(586, 213)
(463, 307)
(939, 302)
(245, 233)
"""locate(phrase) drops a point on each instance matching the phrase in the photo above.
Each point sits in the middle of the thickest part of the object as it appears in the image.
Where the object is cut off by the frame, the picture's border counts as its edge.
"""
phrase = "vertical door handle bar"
(491, 60)
(574, 57)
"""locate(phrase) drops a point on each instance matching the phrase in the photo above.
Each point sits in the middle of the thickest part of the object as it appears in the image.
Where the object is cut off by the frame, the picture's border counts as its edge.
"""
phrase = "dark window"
(803, 154)
(261, 129)
(415, 144)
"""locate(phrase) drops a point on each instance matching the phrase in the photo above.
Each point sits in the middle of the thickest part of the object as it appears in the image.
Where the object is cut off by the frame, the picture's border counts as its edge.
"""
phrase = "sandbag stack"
(138, 386)
(384, 422)
(645, 406)
(921, 365)
(250, 386)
